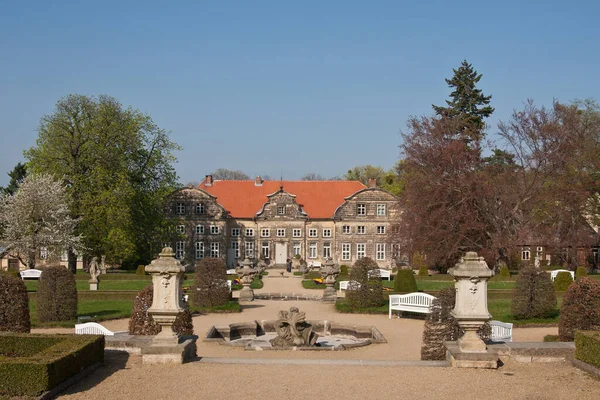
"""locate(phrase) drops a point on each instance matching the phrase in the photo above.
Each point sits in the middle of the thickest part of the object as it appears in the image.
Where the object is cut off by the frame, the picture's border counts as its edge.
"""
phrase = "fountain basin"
(256, 335)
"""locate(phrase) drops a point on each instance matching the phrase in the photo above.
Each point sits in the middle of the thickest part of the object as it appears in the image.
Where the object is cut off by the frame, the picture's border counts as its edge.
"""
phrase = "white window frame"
(180, 208)
(361, 230)
(280, 232)
(312, 250)
(199, 246)
(180, 250)
(361, 250)
(381, 229)
(180, 229)
(327, 250)
(361, 209)
(235, 232)
(297, 233)
(200, 210)
(265, 232)
(313, 233)
(380, 251)
(326, 233)
(249, 249)
(199, 229)
(346, 251)
(525, 255)
(265, 250)
(236, 246)
(381, 210)
(250, 232)
(297, 249)
(346, 229)
(214, 250)
(280, 210)
(214, 229)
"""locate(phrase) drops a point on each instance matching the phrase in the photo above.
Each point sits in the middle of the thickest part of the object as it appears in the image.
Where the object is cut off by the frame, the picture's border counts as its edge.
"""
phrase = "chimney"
(372, 182)
(258, 181)
(208, 180)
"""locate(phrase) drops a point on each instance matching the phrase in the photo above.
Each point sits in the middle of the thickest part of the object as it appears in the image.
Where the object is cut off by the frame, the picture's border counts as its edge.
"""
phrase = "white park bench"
(344, 285)
(314, 265)
(412, 302)
(93, 328)
(30, 274)
(501, 331)
(231, 272)
(382, 273)
(556, 271)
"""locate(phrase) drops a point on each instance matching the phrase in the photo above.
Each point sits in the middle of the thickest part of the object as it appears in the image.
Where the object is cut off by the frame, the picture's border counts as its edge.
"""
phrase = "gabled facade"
(277, 220)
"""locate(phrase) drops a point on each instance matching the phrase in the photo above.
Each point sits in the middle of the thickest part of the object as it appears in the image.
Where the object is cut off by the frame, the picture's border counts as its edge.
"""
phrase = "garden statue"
(103, 265)
(167, 302)
(470, 311)
(329, 273)
(94, 274)
(293, 330)
(247, 273)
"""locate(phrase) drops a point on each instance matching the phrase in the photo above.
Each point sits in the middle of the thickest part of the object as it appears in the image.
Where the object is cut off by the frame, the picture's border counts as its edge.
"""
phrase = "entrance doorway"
(281, 253)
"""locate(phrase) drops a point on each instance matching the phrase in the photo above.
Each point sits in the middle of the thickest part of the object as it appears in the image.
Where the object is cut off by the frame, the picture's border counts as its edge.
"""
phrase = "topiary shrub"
(423, 270)
(343, 269)
(534, 295)
(504, 272)
(562, 281)
(210, 283)
(56, 295)
(142, 323)
(404, 281)
(14, 305)
(441, 326)
(369, 291)
(580, 272)
(141, 270)
(580, 308)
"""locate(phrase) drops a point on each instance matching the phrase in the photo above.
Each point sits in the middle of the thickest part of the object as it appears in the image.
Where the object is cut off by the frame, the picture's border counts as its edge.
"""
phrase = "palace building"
(277, 220)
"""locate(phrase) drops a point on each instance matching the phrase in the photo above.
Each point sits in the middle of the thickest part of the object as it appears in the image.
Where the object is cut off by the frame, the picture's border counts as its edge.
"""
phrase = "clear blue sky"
(281, 87)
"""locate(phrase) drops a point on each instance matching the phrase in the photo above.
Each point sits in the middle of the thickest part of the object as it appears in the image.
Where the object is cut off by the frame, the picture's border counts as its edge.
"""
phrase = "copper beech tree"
(539, 188)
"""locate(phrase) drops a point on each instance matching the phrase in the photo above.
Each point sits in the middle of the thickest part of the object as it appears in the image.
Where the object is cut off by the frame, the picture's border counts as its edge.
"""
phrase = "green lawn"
(107, 285)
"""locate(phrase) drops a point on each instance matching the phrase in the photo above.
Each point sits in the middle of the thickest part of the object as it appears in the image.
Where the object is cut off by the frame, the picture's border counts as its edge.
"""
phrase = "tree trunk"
(72, 260)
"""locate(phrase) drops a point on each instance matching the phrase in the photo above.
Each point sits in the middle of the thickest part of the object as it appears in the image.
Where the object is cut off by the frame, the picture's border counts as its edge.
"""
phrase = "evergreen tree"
(466, 101)
(17, 175)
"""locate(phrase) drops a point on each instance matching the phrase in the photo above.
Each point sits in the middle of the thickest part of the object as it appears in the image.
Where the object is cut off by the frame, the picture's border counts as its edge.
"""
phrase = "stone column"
(167, 278)
(471, 276)
(329, 273)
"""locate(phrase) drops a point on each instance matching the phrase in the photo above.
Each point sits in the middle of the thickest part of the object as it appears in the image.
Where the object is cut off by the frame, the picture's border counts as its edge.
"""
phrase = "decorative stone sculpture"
(470, 310)
(329, 273)
(94, 274)
(247, 273)
(167, 278)
(293, 330)
(102, 265)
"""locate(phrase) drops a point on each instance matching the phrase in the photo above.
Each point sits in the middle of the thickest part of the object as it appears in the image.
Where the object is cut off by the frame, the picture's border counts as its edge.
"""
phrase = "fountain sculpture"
(293, 330)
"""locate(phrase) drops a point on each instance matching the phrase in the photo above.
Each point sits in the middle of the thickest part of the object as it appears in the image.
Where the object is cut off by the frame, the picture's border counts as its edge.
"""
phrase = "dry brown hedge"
(14, 305)
(142, 323)
(370, 291)
(56, 294)
(580, 309)
(210, 283)
(534, 295)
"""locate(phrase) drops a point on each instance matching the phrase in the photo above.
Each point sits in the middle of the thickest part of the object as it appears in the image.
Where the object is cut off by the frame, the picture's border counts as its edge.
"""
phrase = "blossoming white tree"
(37, 217)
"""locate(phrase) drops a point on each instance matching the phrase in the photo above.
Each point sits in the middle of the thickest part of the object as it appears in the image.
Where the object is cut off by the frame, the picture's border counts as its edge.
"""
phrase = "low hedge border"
(587, 347)
(31, 364)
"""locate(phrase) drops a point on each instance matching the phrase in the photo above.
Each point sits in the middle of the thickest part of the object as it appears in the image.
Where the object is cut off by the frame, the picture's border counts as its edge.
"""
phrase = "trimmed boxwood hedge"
(32, 364)
(587, 347)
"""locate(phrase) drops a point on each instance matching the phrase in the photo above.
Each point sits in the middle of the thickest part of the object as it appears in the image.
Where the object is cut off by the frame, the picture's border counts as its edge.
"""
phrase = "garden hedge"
(404, 281)
(56, 295)
(587, 347)
(14, 305)
(32, 364)
(562, 281)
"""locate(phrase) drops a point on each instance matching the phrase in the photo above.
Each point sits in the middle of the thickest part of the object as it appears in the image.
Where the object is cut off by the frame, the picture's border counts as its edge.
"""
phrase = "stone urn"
(471, 276)
(247, 273)
(329, 273)
(167, 279)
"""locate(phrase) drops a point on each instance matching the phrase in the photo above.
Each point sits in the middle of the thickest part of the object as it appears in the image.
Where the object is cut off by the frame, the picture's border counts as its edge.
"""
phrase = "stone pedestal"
(467, 359)
(246, 294)
(167, 302)
(329, 273)
(247, 272)
(93, 285)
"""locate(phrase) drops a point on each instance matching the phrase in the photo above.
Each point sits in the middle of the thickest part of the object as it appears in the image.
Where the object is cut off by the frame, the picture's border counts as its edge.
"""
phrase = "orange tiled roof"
(319, 199)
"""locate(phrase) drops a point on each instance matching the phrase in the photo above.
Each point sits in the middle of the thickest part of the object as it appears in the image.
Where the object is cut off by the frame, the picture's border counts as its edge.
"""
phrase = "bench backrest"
(501, 331)
(345, 285)
(413, 299)
(92, 328)
(30, 273)
(556, 271)
(382, 273)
